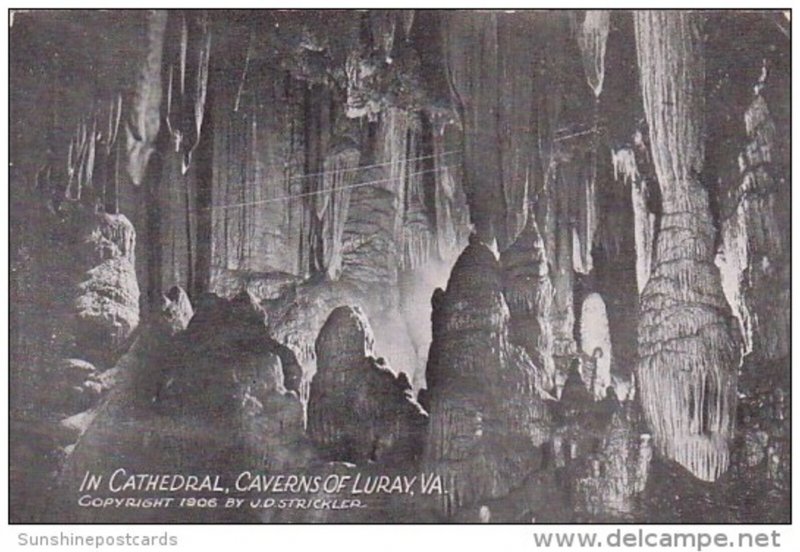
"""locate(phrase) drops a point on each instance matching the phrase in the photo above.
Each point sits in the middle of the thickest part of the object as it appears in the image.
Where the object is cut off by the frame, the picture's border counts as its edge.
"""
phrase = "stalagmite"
(529, 294)
(107, 298)
(609, 481)
(359, 409)
(487, 411)
(688, 340)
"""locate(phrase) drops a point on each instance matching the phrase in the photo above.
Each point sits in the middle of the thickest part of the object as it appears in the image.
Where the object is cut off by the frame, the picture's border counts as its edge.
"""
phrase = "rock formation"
(754, 249)
(529, 295)
(358, 408)
(607, 483)
(107, 302)
(688, 341)
(176, 311)
(491, 72)
(375, 236)
(220, 220)
(487, 414)
(145, 119)
(211, 399)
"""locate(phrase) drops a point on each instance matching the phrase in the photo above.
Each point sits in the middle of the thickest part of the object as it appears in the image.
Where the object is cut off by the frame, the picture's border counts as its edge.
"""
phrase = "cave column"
(688, 341)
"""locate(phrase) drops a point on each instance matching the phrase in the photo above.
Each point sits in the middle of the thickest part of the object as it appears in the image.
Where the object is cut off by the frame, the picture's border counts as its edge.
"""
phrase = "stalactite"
(333, 205)
(359, 408)
(483, 390)
(187, 83)
(592, 37)
(144, 118)
(408, 22)
(256, 219)
(373, 233)
(80, 160)
(624, 163)
(688, 341)
(626, 171)
(87, 96)
(418, 240)
(178, 222)
(491, 72)
(563, 276)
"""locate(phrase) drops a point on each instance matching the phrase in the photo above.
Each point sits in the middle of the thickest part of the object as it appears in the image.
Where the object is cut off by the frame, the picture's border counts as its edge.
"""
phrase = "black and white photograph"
(399, 266)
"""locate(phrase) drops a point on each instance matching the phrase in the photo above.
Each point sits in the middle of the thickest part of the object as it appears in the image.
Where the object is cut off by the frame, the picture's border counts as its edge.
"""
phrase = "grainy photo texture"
(395, 266)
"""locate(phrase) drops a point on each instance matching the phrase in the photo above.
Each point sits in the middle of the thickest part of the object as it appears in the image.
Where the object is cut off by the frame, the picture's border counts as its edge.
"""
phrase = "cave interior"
(542, 254)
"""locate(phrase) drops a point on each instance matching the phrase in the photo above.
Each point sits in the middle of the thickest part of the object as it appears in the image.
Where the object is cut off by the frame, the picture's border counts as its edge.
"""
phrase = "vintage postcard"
(399, 266)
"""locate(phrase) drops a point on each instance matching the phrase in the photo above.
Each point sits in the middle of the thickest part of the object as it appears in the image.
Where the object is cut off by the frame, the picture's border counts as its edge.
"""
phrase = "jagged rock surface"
(358, 408)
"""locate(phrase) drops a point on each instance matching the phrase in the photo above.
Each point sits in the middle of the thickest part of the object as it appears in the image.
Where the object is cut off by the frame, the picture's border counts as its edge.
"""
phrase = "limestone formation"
(492, 72)
(211, 399)
(359, 409)
(145, 120)
(107, 298)
(688, 340)
(238, 326)
(487, 415)
(176, 310)
(608, 482)
(753, 260)
(372, 246)
(401, 242)
(529, 294)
